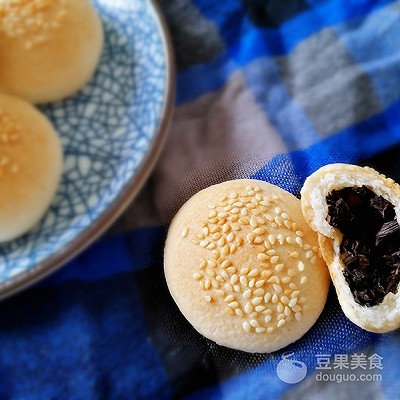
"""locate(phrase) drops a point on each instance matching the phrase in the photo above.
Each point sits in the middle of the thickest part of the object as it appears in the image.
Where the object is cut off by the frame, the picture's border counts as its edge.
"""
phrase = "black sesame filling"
(370, 248)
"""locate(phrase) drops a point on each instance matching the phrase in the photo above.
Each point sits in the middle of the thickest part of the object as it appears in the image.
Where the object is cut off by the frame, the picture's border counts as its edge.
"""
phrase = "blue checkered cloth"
(266, 89)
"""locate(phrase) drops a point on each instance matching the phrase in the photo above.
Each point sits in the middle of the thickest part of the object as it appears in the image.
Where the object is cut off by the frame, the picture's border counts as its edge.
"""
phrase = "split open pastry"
(355, 211)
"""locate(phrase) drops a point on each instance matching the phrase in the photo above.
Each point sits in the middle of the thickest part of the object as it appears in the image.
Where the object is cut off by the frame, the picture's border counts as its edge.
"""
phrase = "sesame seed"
(210, 272)
(296, 308)
(226, 264)
(313, 259)
(284, 300)
(252, 282)
(244, 270)
(301, 266)
(292, 302)
(246, 327)
(219, 292)
(271, 252)
(278, 220)
(290, 240)
(250, 238)
(197, 276)
(185, 232)
(303, 280)
(259, 292)
(267, 297)
(239, 312)
(294, 254)
(262, 257)
(274, 298)
(266, 274)
(229, 298)
(300, 233)
(254, 272)
(216, 236)
(243, 280)
(281, 238)
(229, 311)
(233, 248)
(297, 316)
(231, 270)
(244, 221)
(260, 283)
(211, 246)
(279, 308)
(293, 286)
(278, 210)
(226, 228)
(277, 288)
(230, 237)
(215, 254)
(295, 293)
(287, 223)
(256, 301)
(260, 329)
(274, 259)
(225, 275)
(234, 279)
(286, 279)
(212, 214)
(237, 288)
(214, 284)
(233, 304)
(271, 239)
(309, 254)
(259, 231)
(225, 250)
(299, 241)
(280, 323)
(248, 308)
(254, 323)
(285, 216)
(280, 316)
(228, 287)
(204, 243)
(267, 319)
(279, 267)
(235, 227)
(306, 247)
(247, 294)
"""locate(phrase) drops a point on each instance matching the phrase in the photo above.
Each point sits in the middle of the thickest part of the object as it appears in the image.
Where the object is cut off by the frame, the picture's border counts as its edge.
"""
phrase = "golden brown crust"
(54, 58)
(385, 316)
(30, 166)
(238, 259)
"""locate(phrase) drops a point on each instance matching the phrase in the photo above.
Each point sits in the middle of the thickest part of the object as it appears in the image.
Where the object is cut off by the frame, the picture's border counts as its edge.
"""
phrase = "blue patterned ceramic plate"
(112, 132)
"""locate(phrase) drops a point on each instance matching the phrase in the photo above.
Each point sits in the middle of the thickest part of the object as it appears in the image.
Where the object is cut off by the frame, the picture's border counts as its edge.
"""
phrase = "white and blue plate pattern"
(109, 132)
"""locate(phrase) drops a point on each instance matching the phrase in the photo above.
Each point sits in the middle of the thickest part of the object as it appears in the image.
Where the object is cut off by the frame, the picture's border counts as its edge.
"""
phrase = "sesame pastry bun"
(30, 166)
(49, 49)
(243, 266)
(355, 212)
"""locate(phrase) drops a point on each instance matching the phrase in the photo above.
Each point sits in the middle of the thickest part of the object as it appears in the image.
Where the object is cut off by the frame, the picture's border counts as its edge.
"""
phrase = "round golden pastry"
(379, 318)
(30, 166)
(49, 49)
(244, 267)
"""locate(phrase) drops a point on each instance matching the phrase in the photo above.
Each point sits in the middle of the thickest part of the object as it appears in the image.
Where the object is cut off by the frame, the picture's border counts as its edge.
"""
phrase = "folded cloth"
(265, 89)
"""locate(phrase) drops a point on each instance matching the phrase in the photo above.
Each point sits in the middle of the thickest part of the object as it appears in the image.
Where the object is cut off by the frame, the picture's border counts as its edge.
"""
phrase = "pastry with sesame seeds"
(355, 211)
(49, 49)
(30, 166)
(236, 270)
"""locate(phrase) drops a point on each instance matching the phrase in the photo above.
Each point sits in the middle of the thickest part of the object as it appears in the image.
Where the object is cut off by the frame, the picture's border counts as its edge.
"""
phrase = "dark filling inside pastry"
(370, 248)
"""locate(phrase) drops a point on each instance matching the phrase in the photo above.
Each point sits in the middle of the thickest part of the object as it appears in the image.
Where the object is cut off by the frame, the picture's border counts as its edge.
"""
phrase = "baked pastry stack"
(49, 49)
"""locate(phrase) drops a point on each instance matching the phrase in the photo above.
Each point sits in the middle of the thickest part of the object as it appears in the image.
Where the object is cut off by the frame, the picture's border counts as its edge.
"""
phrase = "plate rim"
(53, 263)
